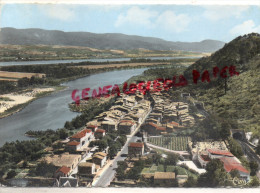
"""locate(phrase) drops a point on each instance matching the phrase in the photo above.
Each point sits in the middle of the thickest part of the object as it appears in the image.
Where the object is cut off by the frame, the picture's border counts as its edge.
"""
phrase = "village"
(139, 141)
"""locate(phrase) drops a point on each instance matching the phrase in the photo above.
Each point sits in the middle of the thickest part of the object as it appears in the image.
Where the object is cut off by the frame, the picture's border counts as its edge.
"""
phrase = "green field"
(172, 143)
(178, 170)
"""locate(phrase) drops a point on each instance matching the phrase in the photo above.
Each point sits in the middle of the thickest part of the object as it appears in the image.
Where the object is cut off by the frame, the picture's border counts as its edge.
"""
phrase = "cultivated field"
(17, 75)
(172, 143)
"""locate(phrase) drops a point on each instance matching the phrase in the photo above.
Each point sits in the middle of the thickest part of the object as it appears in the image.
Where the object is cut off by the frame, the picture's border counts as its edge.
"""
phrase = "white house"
(80, 139)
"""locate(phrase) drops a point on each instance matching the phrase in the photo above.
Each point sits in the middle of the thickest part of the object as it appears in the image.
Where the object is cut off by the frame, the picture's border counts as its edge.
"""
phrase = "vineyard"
(172, 143)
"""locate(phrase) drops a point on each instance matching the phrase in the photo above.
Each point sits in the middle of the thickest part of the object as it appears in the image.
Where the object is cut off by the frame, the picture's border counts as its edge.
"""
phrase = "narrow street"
(109, 172)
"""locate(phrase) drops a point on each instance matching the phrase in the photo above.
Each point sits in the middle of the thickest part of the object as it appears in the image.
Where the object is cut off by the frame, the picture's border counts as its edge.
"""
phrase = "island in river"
(12, 101)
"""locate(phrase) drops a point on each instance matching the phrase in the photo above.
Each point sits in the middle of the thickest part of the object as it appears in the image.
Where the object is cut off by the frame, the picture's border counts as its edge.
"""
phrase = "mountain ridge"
(35, 36)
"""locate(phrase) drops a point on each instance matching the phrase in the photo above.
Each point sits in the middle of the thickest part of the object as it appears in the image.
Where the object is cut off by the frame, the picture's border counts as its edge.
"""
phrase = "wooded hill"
(241, 100)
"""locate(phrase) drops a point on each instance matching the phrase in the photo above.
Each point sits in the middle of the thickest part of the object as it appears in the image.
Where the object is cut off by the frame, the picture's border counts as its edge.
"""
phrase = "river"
(13, 63)
(51, 112)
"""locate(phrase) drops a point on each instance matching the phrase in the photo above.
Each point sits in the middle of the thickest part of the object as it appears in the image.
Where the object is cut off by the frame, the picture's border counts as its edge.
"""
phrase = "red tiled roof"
(73, 143)
(205, 158)
(161, 128)
(100, 131)
(81, 133)
(174, 123)
(63, 169)
(136, 145)
(127, 121)
(156, 126)
(232, 164)
(220, 152)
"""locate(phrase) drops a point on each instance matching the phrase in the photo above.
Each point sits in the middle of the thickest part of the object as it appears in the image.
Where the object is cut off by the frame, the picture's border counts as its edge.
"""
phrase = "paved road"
(109, 173)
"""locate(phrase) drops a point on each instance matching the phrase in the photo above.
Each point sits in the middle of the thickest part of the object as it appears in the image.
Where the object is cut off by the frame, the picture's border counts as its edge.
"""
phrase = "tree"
(234, 173)
(121, 170)
(191, 182)
(254, 182)
(253, 167)
(43, 169)
(23, 82)
(112, 151)
(225, 130)
(171, 159)
(62, 133)
(215, 175)
(57, 145)
(134, 173)
(102, 144)
(68, 125)
(11, 174)
(235, 148)
(156, 158)
(122, 139)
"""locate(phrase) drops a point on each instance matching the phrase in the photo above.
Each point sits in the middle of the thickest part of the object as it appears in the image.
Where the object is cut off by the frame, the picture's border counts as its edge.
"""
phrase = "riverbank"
(61, 53)
(19, 101)
(14, 102)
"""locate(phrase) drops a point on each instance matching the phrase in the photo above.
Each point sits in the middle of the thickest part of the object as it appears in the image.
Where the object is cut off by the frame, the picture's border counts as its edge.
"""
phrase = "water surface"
(51, 112)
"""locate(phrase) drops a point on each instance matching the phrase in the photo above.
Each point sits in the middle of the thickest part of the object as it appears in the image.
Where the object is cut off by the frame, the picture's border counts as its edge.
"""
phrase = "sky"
(190, 23)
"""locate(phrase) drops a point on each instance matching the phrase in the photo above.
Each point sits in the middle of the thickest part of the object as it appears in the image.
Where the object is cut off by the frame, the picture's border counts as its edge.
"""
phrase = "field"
(172, 143)
(123, 65)
(176, 169)
(17, 75)
(47, 52)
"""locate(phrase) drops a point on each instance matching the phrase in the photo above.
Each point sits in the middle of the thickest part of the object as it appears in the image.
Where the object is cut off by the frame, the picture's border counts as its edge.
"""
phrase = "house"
(82, 137)
(164, 178)
(232, 163)
(65, 159)
(203, 160)
(216, 153)
(151, 120)
(109, 125)
(202, 147)
(100, 133)
(126, 127)
(130, 101)
(99, 158)
(86, 169)
(63, 171)
(67, 182)
(153, 129)
(135, 117)
(135, 149)
(72, 146)
(157, 116)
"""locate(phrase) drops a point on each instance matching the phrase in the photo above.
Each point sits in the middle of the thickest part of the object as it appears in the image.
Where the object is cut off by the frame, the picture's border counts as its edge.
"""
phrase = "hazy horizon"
(188, 23)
